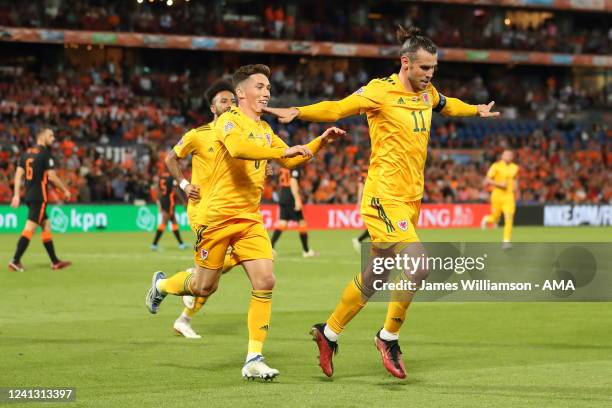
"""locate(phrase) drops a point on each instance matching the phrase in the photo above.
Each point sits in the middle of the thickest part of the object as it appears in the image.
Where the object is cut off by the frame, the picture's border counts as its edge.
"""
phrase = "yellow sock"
(258, 319)
(199, 302)
(508, 221)
(396, 311)
(177, 284)
(351, 302)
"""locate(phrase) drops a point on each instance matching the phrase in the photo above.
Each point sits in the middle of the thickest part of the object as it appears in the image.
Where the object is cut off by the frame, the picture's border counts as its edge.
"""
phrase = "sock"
(177, 234)
(48, 244)
(365, 234)
(260, 309)
(351, 302)
(251, 356)
(385, 335)
(160, 230)
(396, 313)
(304, 239)
(199, 302)
(508, 221)
(276, 236)
(177, 284)
(22, 245)
(330, 334)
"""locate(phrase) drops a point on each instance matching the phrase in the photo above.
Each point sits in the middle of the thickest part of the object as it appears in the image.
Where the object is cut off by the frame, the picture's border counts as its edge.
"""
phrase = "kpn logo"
(75, 220)
(145, 220)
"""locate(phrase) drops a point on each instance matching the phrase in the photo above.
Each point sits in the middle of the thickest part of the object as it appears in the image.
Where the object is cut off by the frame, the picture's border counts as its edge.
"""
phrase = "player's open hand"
(15, 202)
(484, 111)
(193, 192)
(284, 115)
(297, 150)
(332, 134)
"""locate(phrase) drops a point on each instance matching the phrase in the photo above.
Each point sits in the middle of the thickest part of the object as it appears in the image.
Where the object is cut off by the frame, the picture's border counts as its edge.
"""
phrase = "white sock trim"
(157, 285)
(330, 334)
(386, 335)
(251, 356)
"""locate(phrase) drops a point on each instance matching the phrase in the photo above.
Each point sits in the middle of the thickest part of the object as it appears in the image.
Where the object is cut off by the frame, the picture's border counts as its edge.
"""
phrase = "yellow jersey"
(502, 172)
(242, 147)
(200, 144)
(399, 122)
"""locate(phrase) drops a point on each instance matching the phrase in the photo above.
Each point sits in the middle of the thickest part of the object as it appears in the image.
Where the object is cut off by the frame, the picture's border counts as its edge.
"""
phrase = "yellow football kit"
(229, 215)
(199, 143)
(502, 199)
(399, 124)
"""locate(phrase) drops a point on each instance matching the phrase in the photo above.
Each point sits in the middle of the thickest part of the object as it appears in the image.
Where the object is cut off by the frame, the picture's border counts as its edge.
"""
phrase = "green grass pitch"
(87, 327)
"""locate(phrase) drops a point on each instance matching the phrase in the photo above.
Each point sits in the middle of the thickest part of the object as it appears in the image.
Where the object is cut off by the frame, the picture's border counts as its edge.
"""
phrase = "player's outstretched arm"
(456, 107)
(17, 189)
(174, 168)
(326, 111)
(313, 146)
(53, 178)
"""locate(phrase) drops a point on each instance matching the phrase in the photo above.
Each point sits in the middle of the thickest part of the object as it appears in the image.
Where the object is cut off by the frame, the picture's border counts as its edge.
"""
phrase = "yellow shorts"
(248, 238)
(390, 220)
(505, 205)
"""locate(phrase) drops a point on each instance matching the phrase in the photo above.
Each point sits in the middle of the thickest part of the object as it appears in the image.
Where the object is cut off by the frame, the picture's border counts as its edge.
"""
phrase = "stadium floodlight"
(169, 2)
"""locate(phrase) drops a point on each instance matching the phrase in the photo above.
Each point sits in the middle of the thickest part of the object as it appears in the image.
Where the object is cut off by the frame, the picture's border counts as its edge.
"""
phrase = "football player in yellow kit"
(503, 176)
(199, 143)
(399, 109)
(230, 213)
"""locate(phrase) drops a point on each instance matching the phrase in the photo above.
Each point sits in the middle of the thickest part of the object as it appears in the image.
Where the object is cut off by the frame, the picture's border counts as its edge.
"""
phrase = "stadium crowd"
(473, 27)
(143, 112)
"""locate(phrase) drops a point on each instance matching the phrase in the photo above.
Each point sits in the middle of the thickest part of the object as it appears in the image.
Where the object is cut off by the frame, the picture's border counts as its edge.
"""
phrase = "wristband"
(184, 183)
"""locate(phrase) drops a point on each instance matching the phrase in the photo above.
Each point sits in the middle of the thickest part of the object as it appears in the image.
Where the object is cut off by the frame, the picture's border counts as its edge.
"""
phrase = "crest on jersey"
(268, 138)
(360, 91)
(425, 97)
(203, 254)
(403, 225)
(228, 126)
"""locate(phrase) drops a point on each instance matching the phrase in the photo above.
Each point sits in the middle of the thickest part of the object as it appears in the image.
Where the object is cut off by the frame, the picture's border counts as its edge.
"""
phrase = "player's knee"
(265, 282)
(204, 288)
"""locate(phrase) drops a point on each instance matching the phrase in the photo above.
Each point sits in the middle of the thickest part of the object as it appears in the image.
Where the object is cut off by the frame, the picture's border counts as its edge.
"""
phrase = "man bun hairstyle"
(411, 40)
(245, 71)
(219, 86)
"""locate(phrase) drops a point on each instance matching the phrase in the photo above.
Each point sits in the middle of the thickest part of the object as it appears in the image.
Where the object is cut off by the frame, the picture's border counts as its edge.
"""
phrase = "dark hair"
(219, 86)
(412, 40)
(245, 71)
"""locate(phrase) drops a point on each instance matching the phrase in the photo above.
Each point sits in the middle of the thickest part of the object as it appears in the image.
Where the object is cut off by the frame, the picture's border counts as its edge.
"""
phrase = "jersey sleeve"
(237, 142)
(451, 106)
(492, 171)
(185, 146)
(49, 162)
(365, 99)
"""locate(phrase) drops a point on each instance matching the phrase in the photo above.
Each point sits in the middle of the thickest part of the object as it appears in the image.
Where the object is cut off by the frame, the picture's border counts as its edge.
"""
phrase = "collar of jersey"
(399, 87)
